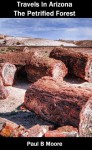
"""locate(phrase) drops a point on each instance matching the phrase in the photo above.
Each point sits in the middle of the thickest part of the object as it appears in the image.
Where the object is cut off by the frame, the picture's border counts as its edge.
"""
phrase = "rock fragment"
(7, 72)
(85, 126)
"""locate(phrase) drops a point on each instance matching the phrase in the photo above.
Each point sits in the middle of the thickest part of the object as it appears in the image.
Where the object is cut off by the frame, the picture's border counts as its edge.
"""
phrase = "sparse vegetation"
(7, 49)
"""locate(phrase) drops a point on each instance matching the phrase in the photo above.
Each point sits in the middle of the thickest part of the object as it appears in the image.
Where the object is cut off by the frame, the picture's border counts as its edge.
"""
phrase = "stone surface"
(85, 126)
(18, 131)
(69, 130)
(10, 129)
(65, 131)
(3, 91)
(42, 66)
(58, 103)
(78, 60)
(55, 133)
(7, 72)
(35, 131)
(7, 127)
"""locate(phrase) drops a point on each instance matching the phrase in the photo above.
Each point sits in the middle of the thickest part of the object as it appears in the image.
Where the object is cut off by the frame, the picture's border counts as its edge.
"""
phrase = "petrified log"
(7, 72)
(78, 63)
(45, 66)
(3, 92)
(85, 126)
(57, 103)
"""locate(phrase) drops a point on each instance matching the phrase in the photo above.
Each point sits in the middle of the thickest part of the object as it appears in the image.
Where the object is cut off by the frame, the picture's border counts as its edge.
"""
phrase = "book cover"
(45, 74)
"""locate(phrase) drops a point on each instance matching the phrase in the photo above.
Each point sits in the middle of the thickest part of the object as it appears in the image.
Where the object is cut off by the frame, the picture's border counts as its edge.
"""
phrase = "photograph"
(45, 78)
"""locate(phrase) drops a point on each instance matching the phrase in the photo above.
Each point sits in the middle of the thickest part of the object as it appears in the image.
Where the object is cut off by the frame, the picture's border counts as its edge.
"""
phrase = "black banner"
(49, 143)
(44, 9)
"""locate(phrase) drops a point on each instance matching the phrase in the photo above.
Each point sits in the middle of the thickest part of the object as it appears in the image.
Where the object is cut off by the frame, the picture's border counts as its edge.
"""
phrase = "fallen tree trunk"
(78, 63)
(7, 72)
(45, 66)
(57, 103)
(3, 92)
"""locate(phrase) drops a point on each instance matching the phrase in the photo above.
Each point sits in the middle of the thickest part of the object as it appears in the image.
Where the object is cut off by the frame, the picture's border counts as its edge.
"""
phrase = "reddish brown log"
(7, 72)
(57, 103)
(78, 63)
(45, 66)
(3, 92)
(85, 126)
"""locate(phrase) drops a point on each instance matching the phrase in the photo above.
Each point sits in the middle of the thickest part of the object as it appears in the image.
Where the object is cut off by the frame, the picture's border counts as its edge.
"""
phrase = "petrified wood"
(3, 92)
(78, 61)
(65, 131)
(7, 72)
(58, 103)
(85, 126)
(45, 66)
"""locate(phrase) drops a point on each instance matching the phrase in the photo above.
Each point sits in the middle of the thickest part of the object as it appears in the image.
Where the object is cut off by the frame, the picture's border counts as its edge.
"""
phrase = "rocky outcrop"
(65, 131)
(78, 61)
(58, 103)
(85, 126)
(3, 92)
(7, 72)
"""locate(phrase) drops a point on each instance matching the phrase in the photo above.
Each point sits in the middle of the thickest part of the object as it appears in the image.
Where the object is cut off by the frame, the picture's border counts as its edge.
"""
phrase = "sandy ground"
(10, 108)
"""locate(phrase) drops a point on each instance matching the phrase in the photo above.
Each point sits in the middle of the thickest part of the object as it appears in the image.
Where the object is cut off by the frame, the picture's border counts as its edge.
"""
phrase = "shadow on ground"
(24, 118)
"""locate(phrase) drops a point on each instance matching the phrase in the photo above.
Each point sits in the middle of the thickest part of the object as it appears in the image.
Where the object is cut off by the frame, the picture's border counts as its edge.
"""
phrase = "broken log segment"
(85, 126)
(3, 91)
(78, 62)
(45, 66)
(60, 104)
(7, 72)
